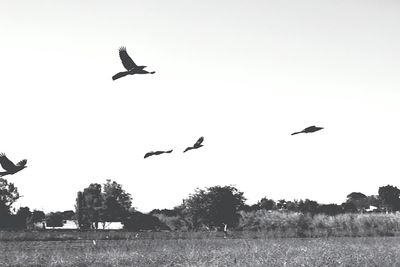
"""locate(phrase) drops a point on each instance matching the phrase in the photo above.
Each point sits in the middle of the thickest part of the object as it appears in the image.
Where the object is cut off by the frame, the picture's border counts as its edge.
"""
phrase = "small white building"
(111, 226)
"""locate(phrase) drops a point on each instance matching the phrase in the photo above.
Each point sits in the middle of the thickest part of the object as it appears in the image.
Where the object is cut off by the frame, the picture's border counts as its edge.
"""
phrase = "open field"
(344, 251)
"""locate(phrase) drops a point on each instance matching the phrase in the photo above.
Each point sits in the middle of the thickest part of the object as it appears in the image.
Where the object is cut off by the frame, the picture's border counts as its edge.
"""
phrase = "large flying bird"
(129, 65)
(152, 153)
(196, 145)
(310, 129)
(9, 166)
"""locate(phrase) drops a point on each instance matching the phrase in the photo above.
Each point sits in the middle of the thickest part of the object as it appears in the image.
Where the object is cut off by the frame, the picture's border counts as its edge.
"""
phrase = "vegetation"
(205, 252)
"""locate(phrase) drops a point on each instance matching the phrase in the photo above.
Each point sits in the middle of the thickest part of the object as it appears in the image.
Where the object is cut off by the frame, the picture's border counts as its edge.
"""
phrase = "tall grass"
(381, 251)
(291, 224)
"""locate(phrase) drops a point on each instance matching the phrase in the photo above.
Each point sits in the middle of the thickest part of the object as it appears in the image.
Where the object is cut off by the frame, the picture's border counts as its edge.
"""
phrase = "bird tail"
(119, 75)
(152, 72)
(3, 174)
(169, 151)
(296, 133)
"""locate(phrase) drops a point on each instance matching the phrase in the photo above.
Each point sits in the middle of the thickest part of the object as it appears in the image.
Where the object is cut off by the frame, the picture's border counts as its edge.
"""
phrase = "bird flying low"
(130, 66)
(152, 153)
(196, 145)
(310, 129)
(9, 166)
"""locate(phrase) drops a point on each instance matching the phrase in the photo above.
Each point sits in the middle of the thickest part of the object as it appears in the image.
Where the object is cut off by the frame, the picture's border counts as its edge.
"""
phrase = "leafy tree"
(389, 195)
(37, 216)
(101, 204)
(93, 203)
(116, 202)
(22, 217)
(266, 204)
(308, 206)
(359, 200)
(80, 210)
(214, 206)
(68, 215)
(8, 195)
(292, 205)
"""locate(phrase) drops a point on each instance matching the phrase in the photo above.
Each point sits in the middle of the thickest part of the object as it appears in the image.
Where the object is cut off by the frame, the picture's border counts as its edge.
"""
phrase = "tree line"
(204, 209)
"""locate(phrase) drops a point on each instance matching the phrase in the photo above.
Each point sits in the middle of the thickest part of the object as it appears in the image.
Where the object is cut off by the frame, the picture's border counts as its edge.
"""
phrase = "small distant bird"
(152, 153)
(9, 166)
(196, 145)
(129, 65)
(310, 129)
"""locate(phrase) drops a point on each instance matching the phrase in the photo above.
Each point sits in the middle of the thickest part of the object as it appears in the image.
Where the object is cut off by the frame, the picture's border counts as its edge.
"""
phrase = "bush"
(137, 221)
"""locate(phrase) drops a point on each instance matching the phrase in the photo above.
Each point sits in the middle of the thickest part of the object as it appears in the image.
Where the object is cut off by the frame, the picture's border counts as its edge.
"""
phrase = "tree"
(214, 206)
(80, 210)
(36, 216)
(308, 206)
(359, 200)
(105, 203)
(116, 202)
(93, 200)
(8, 195)
(68, 215)
(266, 204)
(22, 217)
(389, 195)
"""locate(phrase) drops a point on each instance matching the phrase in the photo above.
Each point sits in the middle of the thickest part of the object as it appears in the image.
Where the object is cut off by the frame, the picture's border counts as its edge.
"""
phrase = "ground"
(344, 251)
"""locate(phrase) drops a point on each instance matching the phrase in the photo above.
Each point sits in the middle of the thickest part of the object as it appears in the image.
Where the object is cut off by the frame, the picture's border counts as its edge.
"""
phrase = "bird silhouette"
(152, 153)
(196, 145)
(9, 166)
(310, 129)
(129, 65)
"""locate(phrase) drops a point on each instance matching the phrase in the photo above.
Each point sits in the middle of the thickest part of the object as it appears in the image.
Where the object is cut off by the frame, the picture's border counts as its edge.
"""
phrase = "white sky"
(243, 74)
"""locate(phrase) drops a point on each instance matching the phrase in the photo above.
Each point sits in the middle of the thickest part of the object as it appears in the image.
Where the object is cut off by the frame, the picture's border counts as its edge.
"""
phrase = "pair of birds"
(196, 145)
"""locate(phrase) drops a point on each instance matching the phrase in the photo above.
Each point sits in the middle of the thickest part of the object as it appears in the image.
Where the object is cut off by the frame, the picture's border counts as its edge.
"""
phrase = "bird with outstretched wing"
(198, 144)
(9, 166)
(130, 65)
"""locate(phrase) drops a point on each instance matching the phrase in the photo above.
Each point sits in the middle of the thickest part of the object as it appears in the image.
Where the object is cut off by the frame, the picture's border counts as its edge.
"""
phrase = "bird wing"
(22, 163)
(126, 59)
(201, 139)
(148, 154)
(6, 163)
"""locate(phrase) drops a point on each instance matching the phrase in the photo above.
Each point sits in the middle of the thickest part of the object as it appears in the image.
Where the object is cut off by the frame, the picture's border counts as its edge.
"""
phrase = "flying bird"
(9, 166)
(196, 145)
(310, 129)
(129, 65)
(152, 153)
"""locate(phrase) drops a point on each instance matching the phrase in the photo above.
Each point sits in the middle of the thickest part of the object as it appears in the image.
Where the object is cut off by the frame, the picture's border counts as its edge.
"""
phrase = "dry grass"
(291, 224)
(372, 251)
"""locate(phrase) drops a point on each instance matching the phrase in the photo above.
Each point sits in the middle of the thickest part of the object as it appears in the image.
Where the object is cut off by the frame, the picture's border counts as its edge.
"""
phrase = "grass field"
(343, 251)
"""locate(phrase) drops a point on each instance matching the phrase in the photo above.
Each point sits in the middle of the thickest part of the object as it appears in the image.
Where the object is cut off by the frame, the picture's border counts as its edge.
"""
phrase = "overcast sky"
(243, 74)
